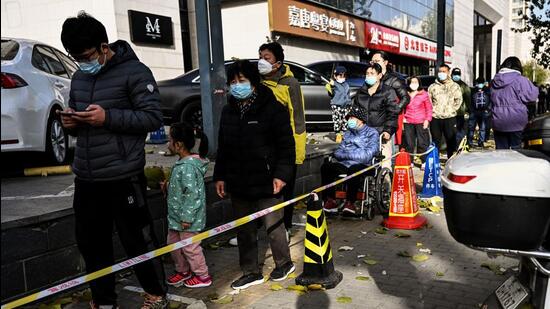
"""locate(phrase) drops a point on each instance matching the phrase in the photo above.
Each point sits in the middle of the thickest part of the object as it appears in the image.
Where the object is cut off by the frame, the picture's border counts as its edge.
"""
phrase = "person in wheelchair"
(359, 145)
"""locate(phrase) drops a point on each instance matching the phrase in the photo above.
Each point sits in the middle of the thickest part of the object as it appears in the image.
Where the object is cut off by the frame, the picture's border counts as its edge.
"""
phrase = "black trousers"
(330, 172)
(100, 206)
(288, 194)
(508, 140)
(416, 135)
(461, 128)
(444, 128)
(247, 234)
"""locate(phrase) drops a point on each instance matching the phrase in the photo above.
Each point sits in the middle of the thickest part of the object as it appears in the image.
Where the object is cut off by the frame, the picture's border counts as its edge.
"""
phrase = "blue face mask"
(456, 78)
(241, 91)
(352, 123)
(442, 76)
(480, 86)
(370, 80)
(91, 67)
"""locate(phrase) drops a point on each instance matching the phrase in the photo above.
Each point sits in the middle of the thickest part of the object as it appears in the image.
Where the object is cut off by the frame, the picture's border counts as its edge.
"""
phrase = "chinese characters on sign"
(305, 19)
(387, 39)
(403, 199)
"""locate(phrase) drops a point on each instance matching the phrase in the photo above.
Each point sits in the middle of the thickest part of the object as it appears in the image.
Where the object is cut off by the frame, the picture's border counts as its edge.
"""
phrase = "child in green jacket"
(187, 206)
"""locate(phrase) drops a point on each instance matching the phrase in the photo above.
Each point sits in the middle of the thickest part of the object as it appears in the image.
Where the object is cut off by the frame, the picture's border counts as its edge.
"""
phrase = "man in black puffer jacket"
(397, 83)
(256, 157)
(380, 104)
(114, 102)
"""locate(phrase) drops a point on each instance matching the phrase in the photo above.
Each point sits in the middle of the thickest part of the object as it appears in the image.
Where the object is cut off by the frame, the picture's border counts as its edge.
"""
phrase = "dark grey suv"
(181, 97)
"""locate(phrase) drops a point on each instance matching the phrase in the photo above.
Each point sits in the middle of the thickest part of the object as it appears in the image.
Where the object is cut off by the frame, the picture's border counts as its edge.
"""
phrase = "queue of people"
(262, 137)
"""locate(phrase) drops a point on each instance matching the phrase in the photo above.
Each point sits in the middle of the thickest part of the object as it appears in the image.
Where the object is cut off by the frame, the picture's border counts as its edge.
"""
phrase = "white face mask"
(264, 67)
(340, 80)
(413, 86)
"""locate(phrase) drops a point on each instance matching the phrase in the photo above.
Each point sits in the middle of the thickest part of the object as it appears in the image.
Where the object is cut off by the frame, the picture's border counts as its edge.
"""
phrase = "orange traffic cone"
(403, 208)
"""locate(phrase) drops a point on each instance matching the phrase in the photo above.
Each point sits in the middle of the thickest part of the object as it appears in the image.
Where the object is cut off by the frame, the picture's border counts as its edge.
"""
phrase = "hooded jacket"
(446, 98)
(339, 93)
(358, 146)
(419, 109)
(186, 194)
(288, 92)
(126, 89)
(255, 148)
(381, 108)
(510, 92)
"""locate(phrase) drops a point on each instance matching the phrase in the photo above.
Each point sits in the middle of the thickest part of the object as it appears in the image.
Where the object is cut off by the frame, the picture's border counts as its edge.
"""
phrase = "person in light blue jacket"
(339, 92)
(359, 145)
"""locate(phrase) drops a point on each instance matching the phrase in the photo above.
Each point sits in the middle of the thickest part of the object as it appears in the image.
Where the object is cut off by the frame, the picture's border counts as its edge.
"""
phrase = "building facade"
(478, 32)
(41, 20)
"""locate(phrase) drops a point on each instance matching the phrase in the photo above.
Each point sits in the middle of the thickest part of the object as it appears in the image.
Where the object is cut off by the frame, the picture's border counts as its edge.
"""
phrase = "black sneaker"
(247, 281)
(280, 274)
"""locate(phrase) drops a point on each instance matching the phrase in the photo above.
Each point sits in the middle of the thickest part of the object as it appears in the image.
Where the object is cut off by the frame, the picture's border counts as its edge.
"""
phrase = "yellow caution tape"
(186, 242)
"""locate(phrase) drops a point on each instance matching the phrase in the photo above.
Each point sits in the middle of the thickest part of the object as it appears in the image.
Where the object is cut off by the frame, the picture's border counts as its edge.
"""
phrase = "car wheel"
(192, 114)
(56, 140)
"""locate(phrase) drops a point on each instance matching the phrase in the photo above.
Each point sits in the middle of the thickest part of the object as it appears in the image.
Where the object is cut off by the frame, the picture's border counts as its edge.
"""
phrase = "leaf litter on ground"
(402, 235)
(404, 253)
(381, 230)
(420, 257)
(345, 248)
(344, 299)
(494, 267)
(226, 299)
(276, 287)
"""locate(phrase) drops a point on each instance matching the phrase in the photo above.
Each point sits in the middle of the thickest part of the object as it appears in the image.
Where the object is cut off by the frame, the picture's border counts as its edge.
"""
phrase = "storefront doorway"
(483, 42)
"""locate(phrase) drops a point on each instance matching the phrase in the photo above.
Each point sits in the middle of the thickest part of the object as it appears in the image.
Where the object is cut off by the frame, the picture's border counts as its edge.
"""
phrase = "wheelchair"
(375, 192)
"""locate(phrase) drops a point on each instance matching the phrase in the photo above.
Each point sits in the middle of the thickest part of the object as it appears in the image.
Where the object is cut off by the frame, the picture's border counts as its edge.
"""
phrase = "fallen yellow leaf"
(226, 299)
(296, 287)
(362, 278)
(276, 287)
(344, 300)
(314, 287)
(420, 257)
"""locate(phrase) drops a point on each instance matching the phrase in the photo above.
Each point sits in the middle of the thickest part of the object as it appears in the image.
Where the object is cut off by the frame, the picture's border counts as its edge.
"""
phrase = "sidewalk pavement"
(375, 276)
(451, 277)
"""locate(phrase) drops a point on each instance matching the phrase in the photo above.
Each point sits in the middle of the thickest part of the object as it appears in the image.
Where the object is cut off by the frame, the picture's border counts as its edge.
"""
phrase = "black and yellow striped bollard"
(318, 264)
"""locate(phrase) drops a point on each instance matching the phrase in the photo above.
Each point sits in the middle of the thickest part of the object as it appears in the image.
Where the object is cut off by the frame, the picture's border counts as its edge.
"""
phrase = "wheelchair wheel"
(369, 212)
(383, 190)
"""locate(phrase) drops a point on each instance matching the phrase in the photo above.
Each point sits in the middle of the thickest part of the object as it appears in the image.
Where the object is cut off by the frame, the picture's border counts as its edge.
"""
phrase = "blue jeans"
(480, 119)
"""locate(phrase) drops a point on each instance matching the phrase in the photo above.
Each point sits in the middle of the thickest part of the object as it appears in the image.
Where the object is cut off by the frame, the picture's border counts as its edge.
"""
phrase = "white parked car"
(36, 80)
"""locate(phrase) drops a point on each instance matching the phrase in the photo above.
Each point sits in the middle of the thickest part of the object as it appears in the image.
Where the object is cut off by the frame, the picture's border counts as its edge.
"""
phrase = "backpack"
(481, 101)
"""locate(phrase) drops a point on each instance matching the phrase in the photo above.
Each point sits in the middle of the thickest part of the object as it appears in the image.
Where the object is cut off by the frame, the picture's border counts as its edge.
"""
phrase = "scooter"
(499, 202)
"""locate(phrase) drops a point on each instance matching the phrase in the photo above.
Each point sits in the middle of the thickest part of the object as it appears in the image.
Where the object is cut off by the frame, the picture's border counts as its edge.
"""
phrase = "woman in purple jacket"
(510, 94)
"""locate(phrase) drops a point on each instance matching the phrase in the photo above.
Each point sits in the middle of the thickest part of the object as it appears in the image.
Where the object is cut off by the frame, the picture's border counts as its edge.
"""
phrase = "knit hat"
(339, 70)
(456, 71)
(358, 112)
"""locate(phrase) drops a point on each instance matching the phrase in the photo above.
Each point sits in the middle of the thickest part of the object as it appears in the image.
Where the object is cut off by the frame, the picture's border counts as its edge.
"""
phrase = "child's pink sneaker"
(198, 281)
(177, 279)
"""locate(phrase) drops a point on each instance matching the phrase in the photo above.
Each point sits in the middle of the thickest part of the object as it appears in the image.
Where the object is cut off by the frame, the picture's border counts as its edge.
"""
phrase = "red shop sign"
(381, 38)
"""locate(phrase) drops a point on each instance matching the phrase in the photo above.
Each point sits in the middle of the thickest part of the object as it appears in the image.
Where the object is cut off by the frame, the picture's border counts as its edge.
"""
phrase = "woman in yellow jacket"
(278, 77)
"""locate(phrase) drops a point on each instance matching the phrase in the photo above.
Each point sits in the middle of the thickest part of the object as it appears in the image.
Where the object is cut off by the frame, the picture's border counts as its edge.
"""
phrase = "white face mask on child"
(413, 86)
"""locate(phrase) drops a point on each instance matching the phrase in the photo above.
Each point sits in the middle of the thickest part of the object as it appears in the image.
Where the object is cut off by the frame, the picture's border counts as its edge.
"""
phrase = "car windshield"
(9, 49)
